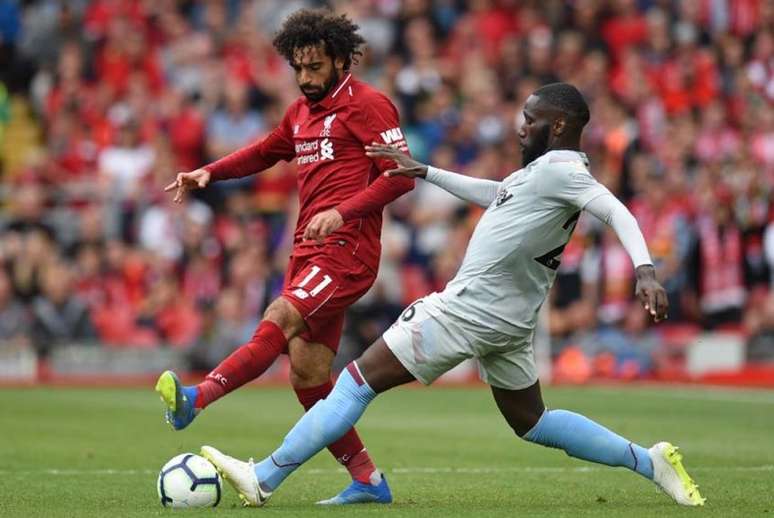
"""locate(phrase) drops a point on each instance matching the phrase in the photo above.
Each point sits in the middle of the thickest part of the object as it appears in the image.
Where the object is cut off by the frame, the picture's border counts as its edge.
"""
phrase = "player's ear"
(559, 126)
(338, 63)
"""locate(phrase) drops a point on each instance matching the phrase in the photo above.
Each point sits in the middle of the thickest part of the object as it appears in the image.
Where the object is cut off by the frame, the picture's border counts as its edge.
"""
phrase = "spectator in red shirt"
(626, 28)
(186, 128)
(170, 315)
(717, 141)
(125, 52)
(718, 261)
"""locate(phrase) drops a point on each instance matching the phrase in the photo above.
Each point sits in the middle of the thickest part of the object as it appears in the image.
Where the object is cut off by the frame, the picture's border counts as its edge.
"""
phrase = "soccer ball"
(188, 480)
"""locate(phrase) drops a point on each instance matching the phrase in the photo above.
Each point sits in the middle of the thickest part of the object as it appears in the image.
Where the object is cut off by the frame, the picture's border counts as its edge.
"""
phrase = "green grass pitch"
(447, 452)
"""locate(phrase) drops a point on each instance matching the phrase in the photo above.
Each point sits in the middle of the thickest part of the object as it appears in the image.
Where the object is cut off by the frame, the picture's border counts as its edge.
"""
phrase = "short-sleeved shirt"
(512, 258)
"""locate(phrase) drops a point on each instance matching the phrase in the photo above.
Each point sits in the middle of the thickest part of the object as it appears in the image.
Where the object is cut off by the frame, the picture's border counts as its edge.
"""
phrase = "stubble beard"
(332, 80)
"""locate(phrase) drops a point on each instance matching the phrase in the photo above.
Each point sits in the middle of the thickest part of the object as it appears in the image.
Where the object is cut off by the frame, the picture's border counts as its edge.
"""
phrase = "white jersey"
(511, 260)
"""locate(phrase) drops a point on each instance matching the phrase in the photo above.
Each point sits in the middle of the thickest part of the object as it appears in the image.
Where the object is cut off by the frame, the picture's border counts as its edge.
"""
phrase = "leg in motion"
(376, 371)
(310, 375)
(281, 322)
(585, 439)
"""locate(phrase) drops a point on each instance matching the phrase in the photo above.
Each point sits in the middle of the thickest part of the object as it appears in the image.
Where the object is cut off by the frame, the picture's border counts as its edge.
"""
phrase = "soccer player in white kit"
(489, 310)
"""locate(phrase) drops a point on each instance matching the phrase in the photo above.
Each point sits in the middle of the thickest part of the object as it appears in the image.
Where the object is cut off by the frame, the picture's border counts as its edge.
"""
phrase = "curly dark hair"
(310, 27)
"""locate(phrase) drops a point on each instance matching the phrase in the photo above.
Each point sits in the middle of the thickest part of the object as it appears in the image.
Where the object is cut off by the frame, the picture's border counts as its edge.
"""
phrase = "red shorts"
(322, 283)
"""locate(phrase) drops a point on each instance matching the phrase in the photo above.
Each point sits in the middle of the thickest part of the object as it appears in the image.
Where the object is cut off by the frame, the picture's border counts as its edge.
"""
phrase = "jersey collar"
(330, 99)
(581, 154)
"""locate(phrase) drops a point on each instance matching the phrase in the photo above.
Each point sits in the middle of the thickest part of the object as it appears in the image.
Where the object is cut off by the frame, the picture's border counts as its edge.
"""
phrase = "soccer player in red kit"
(337, 239)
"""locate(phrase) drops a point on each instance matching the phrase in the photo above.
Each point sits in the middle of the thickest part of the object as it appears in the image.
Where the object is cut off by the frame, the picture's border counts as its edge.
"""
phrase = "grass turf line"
(476, 465)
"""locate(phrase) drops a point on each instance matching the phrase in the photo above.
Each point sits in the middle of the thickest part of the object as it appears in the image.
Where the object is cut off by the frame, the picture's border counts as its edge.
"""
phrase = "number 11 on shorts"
(326, 280)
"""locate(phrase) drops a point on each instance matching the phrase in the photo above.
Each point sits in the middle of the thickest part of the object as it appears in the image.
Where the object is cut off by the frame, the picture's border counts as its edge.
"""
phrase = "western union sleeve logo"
(392, 135)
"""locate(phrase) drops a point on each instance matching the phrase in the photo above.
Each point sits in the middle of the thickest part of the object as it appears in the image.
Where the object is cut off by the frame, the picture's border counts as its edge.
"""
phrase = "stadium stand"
(101, 102)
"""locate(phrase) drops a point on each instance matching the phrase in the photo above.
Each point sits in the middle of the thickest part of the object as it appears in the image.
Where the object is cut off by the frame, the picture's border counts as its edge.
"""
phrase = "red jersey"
(327, 140)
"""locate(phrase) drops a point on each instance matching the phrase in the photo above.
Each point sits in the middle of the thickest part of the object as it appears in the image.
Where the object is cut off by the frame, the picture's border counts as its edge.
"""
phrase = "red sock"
(349, 449)
(243, 365)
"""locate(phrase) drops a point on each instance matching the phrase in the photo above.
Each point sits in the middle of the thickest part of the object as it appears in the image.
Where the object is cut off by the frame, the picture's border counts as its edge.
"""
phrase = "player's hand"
(406, 165)
(185, 182)
(651, 294)
(323, 224)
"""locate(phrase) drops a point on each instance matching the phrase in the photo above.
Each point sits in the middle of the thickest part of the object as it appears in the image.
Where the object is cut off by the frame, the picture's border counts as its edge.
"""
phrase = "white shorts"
(429, 341)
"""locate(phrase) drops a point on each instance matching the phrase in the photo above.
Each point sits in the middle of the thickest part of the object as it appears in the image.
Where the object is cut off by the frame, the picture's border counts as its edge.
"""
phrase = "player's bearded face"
(534, 133)
(316, 73)
(535, 144)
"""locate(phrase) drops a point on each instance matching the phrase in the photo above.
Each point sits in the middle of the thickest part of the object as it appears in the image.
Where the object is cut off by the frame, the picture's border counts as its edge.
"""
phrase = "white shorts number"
(326, 280)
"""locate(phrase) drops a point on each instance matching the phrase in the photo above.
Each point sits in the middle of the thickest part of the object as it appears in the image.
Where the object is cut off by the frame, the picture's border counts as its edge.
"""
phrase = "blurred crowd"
(118, 95)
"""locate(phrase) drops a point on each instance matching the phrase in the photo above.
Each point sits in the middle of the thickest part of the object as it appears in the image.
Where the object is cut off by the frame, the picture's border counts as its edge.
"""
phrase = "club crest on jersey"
(327, 122)
(502, 197)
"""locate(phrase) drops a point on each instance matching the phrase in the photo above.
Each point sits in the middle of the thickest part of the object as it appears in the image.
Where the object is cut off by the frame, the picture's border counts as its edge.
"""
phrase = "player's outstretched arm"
(242, 162)
(473, 190)
(611, 211)
(277, 145)
(404, 164)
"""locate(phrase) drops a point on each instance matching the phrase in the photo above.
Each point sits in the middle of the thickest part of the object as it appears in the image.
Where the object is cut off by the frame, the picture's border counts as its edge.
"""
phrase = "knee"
(310, 364)
(525, 421)
(285, 316)
(306, 375)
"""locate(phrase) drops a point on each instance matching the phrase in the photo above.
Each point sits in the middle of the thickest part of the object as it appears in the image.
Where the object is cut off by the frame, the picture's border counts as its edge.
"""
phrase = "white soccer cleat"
(240, 475)
(670, 475)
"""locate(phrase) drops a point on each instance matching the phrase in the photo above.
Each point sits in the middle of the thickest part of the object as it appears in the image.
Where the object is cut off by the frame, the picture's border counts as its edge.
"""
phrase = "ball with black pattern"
(189, 480)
